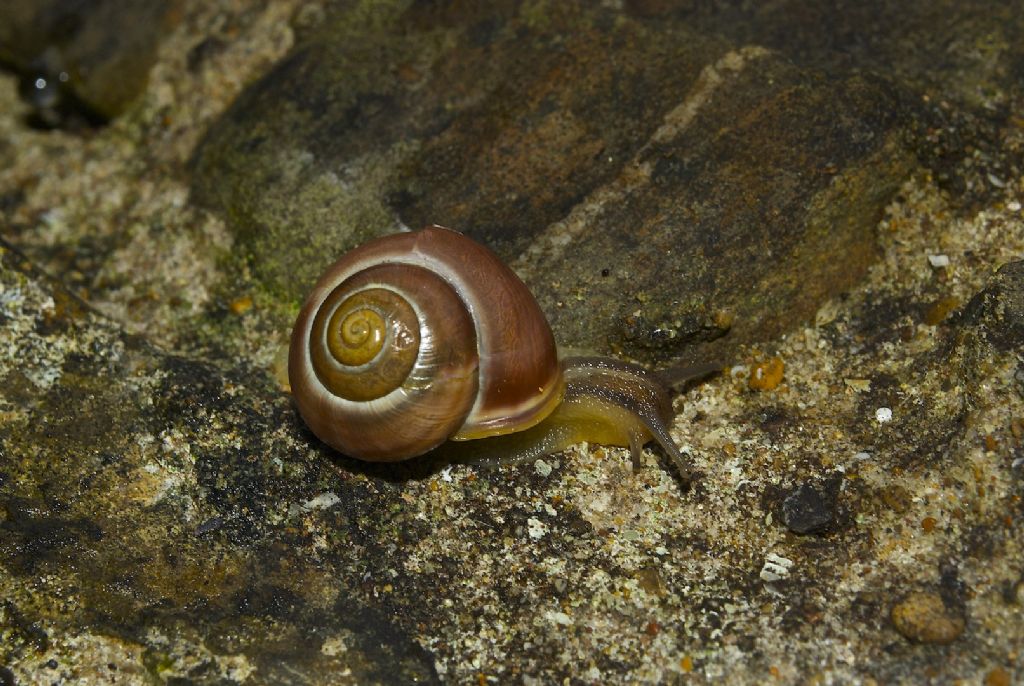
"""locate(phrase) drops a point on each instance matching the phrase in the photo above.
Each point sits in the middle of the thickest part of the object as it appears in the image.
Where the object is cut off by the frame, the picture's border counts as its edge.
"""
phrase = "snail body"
(417, 338)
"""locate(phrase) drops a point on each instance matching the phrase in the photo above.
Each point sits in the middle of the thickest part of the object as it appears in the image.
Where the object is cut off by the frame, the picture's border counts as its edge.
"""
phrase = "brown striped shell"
(415, 338)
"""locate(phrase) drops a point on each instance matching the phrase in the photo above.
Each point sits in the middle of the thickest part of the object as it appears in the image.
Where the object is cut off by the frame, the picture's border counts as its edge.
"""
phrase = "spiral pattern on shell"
(418, 337)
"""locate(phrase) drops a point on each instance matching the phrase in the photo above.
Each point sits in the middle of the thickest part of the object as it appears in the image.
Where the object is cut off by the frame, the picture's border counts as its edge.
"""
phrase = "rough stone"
(808, 509)
(999, 309)
(597, 154)
(84, 59)
(164, 516)
(967, 91)
(97, 408)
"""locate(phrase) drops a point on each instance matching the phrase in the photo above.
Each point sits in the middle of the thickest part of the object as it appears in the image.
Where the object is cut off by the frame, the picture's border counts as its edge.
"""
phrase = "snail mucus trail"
(419, 338)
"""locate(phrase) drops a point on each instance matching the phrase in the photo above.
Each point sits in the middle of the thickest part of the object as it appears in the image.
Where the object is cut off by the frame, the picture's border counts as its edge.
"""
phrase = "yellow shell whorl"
(364, 346)
(355, 336)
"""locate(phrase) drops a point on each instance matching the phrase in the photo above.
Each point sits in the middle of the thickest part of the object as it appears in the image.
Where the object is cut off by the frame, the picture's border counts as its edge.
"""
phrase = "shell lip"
(528, 414)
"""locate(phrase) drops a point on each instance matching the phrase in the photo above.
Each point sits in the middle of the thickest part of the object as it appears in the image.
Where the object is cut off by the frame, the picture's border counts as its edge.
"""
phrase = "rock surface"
(165, 517)
(655, 187)
(88, 60)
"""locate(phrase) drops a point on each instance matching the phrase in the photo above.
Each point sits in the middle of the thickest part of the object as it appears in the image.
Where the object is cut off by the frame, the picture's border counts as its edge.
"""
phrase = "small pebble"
(859, 385)
(807, 510)
(923, 617)
(938, 261)
(998, 677)
(896, 498)
(766, 376)
(937, 312)
(650, 580)
(776, 568)
(211, 524)
(883, 415)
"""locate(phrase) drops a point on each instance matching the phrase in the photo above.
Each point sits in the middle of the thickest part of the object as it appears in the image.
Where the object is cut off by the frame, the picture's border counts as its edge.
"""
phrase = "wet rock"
(588, 146)
(911, 39)
(108, 438)
(923, 617)
(168, 515)
(808, 509)
(82, 59)
(998, 310)
(917, 45)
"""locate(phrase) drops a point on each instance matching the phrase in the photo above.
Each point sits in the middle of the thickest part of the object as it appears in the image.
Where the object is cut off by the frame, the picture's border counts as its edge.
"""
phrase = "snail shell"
(415, 338)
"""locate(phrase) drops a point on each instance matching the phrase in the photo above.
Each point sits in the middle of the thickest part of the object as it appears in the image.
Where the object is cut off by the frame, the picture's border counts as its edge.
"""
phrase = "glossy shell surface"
(415, 338)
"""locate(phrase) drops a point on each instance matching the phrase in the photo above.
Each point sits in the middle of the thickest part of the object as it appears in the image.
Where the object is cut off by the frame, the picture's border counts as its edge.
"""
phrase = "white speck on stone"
(10, 300)
(535, 528)
(53, 218)
(1017, 463)
(550, 510)
(446, 474)
(1013, 206)
(599, 504)
(44, 377)
(938, 261)
(775, 567)
(236, 668)
(173, 442)
(558, 617)
(861, 456)
(996, 181)
(334, 646)
(321, 502)
(542, 467)
(883, 415)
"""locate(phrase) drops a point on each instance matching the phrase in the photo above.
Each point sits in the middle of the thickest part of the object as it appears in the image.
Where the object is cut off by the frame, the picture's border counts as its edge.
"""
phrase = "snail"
(416, 339)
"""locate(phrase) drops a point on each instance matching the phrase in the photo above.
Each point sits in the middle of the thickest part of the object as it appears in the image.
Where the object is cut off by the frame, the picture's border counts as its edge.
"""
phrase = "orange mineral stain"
(767, 375)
